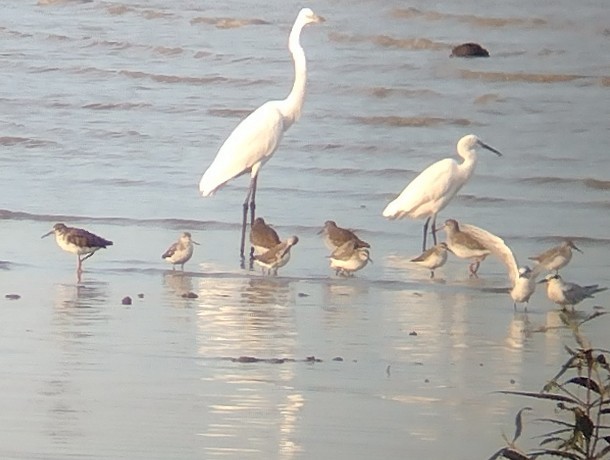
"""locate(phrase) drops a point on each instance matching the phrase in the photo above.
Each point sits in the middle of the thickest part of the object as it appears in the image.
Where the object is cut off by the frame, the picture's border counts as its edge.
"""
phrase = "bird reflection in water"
(266, 291)
(86, 294)
(177, 283)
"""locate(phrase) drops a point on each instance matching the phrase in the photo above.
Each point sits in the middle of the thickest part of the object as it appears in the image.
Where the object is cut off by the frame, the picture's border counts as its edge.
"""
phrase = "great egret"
(564, 293)
(181, 251)
(277, 256)
(432, 258)
(335, 236)
(256, 137)
(522, 279)
(79, 242)
(557, 257)
(435, 186)
(262, 236)
(349, 258)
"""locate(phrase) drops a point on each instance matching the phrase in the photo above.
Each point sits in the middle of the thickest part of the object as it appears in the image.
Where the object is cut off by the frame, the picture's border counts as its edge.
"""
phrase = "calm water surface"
(111, 111)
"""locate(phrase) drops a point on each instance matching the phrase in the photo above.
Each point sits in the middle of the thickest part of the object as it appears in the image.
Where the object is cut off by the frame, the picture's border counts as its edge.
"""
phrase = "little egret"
(79, 242)
(564, 293)
(256, 137)
(435, 186)
(181, 251)
(557, 257)
(432, 258)
(335, 236)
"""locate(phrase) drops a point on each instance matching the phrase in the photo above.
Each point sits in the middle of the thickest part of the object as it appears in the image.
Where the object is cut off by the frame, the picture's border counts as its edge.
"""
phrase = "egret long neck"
(292, 105)
(469, 163)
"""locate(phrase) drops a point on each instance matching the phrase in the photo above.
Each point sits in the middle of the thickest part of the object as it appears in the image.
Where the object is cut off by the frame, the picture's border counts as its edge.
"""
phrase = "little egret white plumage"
(435, 186)
(256, 137)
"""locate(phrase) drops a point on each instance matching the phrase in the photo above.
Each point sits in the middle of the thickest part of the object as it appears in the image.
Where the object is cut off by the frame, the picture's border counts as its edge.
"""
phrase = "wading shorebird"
(335, 236)
(557, 257)
(262, 237)
(432, 258)
(435, 186)
(181, 251)
(276, 257)
(464, 245)
(349, 258)
(256, 138)
(79, 242)
(564, 293)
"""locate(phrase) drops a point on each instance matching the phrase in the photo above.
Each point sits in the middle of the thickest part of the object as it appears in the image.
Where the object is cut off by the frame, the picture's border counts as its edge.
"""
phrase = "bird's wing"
(273, 254)
(170, 251)
(252, 141)
(424, 255)
(496, 246)
(436, 182)
(83, 238)
(345, 251)
(548, 254)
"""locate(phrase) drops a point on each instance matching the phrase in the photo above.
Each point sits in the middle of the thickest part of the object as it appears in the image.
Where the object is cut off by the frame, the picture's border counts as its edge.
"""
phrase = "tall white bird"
(256, 137)
(435, 186)
(522, 279)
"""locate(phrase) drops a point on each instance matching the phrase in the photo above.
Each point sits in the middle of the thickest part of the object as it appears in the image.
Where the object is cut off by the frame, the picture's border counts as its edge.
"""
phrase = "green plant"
(580, 392)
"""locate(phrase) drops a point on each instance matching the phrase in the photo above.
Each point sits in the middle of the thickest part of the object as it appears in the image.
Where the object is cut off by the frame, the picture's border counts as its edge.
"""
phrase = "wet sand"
(401, 365)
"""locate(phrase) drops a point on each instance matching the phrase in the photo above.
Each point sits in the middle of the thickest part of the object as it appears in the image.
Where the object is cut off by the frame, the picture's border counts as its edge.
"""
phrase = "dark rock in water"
(190, 295)
(337, 358)
(247, 359)
(126, 300)
(140, 296)
(469, 50)
(13, 296)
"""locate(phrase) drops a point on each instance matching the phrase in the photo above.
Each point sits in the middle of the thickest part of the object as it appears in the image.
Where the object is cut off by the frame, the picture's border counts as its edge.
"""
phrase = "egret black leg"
(434, 229)
(426, 232)
(252, 215)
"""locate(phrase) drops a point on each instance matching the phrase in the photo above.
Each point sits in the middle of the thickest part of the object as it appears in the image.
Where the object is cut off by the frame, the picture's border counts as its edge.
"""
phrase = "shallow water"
(113, 110)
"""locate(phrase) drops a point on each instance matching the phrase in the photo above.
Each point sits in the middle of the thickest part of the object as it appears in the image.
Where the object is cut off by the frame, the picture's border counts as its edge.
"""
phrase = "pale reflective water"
(113, 110)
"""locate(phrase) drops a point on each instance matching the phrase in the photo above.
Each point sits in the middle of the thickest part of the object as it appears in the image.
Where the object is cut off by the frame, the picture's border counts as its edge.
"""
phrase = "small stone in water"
(126, 300)
(190, 295)
(13, 296)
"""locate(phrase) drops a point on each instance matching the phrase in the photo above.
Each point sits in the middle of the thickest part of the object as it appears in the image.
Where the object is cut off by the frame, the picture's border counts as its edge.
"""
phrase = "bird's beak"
(318, 19)
(490, 148)
(542, 281)
(47, 234)
(574, 247)
(370, 260)
(320, 232)
(195, 242)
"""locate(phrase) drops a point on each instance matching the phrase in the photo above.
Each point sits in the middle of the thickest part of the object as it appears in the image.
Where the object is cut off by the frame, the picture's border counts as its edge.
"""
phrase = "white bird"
(349, 258)
(564, 293)
(435, 186)
(276, 257)
(181, 251)
(256, 137)
(522, 279)
(432, 258)
(557, 257)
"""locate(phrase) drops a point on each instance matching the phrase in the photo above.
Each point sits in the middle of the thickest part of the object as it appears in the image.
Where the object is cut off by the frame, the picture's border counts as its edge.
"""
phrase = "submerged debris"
(469, 50)
(13, 296)
(126, 300)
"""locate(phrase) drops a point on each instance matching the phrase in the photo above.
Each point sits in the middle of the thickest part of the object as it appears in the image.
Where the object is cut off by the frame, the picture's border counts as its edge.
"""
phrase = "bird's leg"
(252, 214)
(426, 232)
(431, 274)
(434, 229)
(243, 225)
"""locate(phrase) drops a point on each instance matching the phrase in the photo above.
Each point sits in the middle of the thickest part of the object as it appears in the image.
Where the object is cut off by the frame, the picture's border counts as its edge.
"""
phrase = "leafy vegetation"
(580, 394)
